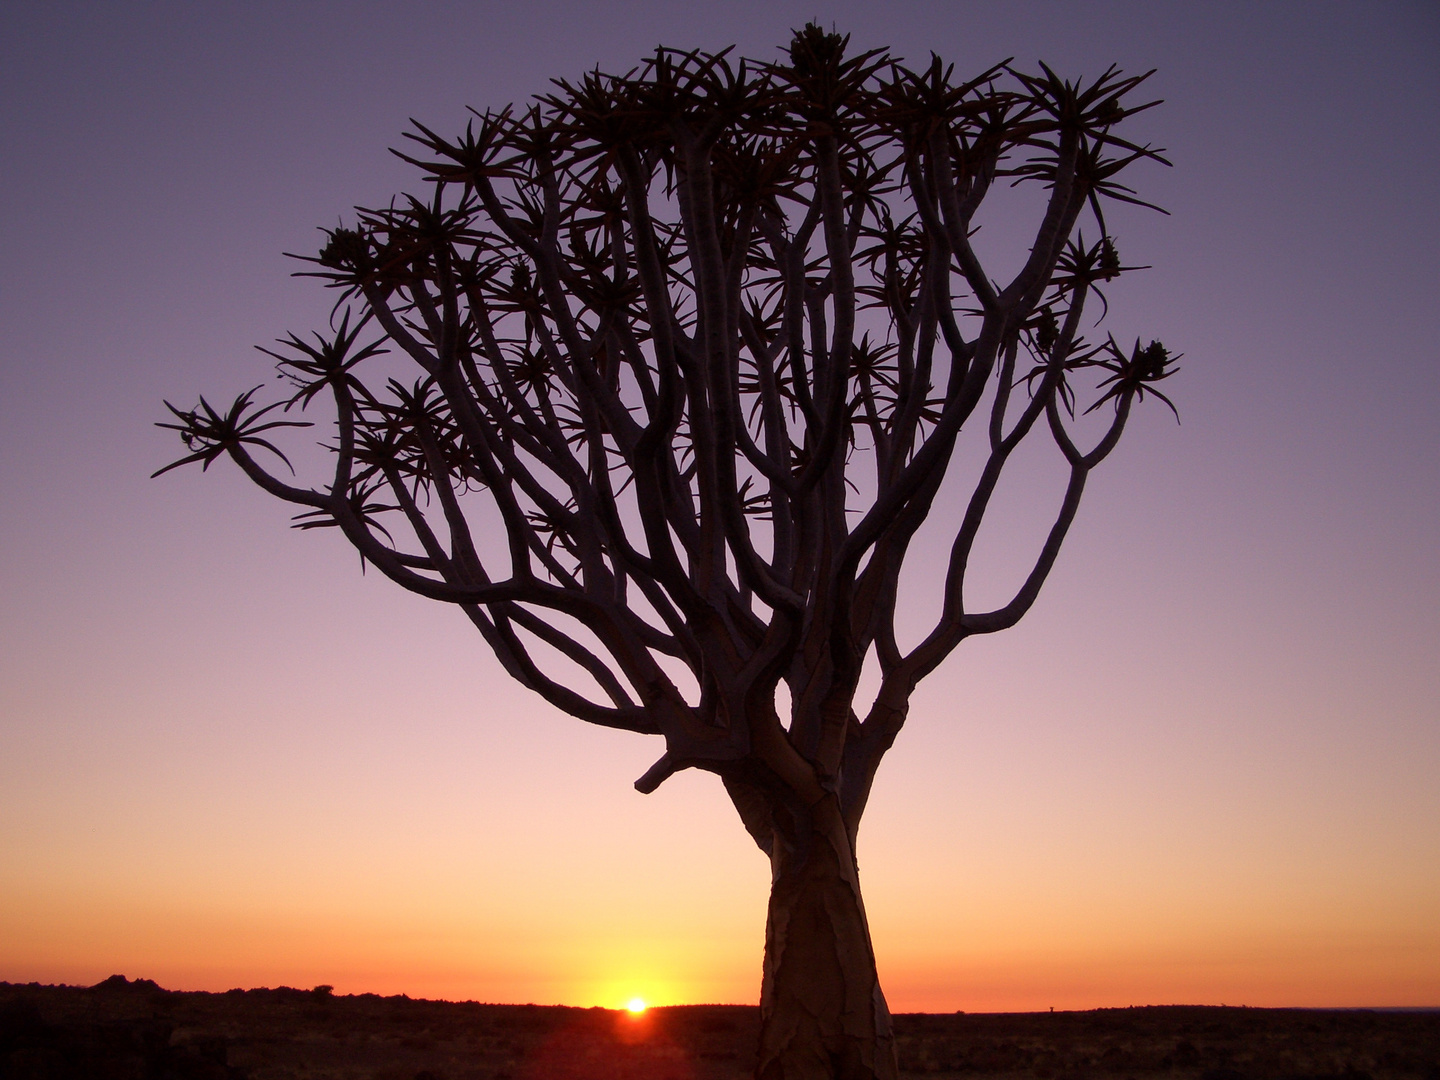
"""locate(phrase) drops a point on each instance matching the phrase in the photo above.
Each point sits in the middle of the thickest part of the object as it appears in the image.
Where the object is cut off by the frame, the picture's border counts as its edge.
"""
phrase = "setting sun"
(636, 1005)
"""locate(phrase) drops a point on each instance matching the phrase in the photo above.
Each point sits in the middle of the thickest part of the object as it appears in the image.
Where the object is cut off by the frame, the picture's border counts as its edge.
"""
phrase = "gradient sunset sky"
(1205, 768)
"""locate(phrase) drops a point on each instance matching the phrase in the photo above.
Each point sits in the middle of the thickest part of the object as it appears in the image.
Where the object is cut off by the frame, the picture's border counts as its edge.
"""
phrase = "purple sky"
(1202, 769)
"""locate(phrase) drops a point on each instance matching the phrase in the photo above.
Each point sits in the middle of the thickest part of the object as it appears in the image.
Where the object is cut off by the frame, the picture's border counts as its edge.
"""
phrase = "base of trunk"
(823, 1015)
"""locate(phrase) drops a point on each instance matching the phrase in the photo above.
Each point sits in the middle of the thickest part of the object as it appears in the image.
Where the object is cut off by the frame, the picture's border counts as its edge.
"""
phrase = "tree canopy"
(691, 350)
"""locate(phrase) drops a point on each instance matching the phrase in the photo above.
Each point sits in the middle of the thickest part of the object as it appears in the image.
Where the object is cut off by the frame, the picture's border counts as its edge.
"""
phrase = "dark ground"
(137, 1031)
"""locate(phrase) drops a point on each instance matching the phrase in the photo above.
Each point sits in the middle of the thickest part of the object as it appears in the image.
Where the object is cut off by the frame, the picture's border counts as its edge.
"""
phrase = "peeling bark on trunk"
(823, 1015)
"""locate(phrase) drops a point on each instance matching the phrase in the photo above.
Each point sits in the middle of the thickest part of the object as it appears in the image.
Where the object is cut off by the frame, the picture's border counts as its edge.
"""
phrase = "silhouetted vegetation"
(657, 383)
(137, 1030)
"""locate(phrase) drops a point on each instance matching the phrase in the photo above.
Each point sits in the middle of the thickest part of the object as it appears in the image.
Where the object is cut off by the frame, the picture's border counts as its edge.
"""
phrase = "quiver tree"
(692, 349)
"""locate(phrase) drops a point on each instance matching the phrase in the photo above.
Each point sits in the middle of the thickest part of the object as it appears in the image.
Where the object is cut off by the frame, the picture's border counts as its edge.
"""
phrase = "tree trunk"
(822, 1013)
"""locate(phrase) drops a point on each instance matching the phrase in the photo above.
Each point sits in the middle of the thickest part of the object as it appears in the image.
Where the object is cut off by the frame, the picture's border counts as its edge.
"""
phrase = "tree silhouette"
(695, 348)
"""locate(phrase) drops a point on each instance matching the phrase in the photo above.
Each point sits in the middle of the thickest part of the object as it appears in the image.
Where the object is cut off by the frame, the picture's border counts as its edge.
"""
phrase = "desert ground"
(136, 1030)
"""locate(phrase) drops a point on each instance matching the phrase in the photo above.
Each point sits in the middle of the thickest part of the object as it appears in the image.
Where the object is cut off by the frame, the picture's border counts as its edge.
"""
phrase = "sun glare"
(636, 1006)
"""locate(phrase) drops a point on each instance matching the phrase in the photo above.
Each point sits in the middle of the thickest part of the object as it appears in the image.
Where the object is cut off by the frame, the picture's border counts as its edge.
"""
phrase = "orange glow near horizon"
(926, 965)
(677, 918)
